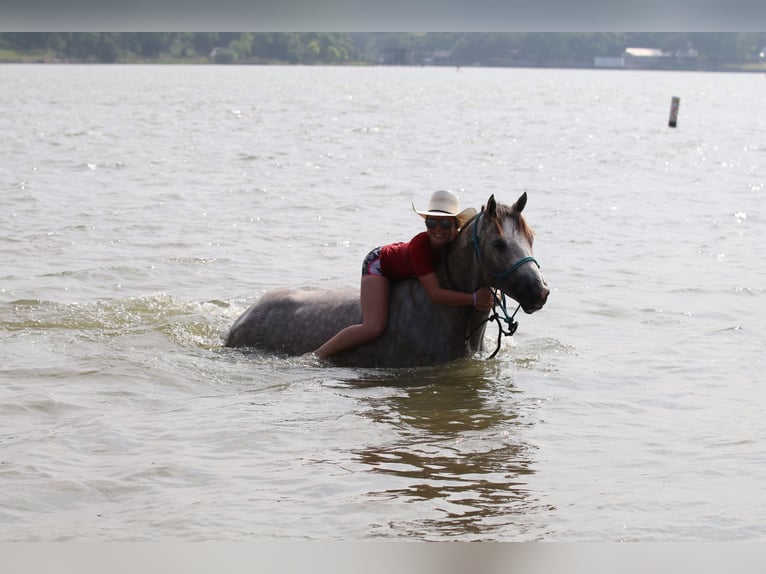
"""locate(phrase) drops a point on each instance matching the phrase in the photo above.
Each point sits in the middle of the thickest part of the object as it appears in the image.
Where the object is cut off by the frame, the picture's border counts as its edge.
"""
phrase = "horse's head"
(502, 242)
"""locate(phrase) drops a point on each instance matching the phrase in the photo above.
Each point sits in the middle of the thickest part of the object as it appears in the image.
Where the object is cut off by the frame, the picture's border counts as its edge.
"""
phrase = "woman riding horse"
(416, 258)
(493, 249)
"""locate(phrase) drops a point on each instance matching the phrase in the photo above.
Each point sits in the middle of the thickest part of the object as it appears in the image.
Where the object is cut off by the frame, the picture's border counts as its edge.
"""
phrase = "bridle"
(511, 323)
(501, 274)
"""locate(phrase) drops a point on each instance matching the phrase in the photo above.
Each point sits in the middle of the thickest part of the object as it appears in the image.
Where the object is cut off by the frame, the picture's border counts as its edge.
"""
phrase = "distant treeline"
(457, 49)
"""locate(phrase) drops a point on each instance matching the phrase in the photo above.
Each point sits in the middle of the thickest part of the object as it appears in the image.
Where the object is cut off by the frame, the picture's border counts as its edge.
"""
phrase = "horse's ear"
(521, 202)
(491, 206)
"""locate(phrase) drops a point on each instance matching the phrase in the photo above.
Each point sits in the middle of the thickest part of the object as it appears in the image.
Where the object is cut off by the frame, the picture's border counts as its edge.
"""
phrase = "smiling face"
(441, 230)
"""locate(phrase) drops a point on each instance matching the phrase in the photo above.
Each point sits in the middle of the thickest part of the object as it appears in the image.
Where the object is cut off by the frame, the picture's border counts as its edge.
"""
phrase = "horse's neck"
(459, 269)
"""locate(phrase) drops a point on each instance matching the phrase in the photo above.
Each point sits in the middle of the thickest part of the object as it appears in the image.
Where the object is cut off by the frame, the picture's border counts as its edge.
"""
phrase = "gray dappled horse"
(494, 248)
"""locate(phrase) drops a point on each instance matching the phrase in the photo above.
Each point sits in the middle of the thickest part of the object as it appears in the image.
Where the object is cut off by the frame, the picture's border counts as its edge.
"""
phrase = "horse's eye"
(499, 244)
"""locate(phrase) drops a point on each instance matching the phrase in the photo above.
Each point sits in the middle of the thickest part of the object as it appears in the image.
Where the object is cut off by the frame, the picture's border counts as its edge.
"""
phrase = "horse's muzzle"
(535, 302)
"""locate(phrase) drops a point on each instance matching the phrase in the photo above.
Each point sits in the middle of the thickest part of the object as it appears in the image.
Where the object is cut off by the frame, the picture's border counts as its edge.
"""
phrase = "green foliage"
(242, 47)
(462, 49)
(224, 56)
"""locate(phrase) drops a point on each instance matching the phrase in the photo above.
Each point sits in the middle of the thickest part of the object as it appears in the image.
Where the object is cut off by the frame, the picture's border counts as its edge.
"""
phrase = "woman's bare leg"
(374, 294)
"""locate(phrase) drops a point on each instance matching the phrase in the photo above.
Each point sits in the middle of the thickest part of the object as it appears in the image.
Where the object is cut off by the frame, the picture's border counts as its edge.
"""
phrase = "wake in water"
(184, 323)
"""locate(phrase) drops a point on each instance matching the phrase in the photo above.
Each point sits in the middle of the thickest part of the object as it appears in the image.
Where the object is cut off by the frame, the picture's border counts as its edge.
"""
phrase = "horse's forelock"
(520, 223)
(503, 211)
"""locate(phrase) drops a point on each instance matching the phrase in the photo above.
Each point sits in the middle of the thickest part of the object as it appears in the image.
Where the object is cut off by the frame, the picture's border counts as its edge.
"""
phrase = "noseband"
(501, 274)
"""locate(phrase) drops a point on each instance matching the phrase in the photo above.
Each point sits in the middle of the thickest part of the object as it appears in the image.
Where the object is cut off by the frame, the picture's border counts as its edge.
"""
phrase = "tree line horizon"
(705, 49)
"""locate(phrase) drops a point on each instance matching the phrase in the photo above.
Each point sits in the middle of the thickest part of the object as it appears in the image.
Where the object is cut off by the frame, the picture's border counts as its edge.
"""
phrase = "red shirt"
(412, 259)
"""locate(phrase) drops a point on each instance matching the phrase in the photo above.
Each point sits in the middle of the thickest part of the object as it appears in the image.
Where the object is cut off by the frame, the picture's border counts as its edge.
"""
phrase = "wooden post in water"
(674, 103)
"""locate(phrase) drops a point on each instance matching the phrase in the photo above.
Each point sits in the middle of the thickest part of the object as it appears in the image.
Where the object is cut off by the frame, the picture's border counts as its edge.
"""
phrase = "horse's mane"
(502, 212)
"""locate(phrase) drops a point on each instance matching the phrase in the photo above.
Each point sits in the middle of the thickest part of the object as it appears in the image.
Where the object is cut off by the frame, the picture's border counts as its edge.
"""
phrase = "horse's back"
(295, 321)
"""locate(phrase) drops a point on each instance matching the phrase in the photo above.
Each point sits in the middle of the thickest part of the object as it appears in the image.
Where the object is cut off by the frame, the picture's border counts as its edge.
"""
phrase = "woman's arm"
(481, 299)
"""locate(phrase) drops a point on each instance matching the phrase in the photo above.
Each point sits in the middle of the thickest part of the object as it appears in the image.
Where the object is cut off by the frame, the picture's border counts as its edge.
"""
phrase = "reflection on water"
(458, 456)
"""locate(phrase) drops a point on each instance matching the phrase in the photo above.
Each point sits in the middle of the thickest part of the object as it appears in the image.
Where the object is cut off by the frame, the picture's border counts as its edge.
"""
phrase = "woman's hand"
(483, 299)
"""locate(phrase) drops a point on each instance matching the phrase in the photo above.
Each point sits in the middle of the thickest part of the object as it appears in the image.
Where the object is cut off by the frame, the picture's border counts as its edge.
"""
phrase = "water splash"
(195, 324)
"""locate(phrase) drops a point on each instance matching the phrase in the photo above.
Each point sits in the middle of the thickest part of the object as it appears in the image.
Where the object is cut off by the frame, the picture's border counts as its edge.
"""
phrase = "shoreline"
(728, 68)
(15, 57)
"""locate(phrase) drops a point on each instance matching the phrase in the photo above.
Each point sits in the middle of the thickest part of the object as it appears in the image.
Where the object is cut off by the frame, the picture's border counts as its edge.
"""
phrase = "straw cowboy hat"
(446, 203)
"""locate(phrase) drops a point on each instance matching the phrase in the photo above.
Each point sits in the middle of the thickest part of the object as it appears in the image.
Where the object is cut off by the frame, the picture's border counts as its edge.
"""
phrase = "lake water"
(145, 207)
